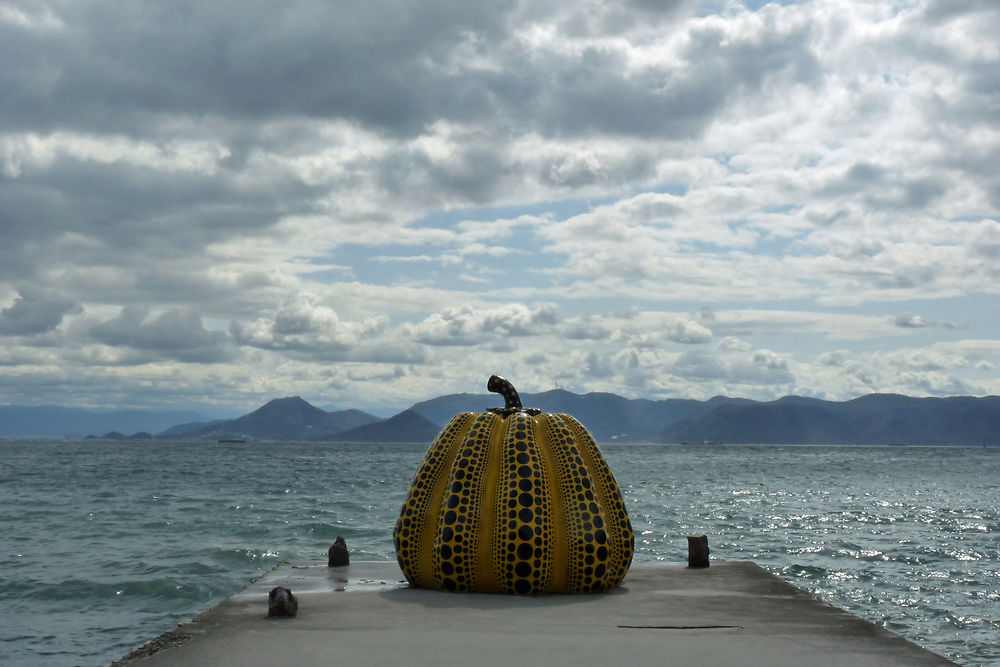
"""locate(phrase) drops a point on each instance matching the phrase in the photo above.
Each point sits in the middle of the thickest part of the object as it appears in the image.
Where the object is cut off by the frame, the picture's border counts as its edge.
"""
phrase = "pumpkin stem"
(503, 387)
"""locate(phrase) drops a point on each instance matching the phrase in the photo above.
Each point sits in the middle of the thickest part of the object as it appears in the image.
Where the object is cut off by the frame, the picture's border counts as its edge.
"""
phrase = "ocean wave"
(184, 526)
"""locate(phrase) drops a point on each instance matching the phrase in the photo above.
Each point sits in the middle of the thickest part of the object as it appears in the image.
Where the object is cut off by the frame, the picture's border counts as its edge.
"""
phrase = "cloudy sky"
(211, 204)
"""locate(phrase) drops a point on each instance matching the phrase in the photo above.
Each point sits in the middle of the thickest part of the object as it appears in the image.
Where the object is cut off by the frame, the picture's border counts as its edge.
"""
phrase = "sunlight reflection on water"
(906, 538)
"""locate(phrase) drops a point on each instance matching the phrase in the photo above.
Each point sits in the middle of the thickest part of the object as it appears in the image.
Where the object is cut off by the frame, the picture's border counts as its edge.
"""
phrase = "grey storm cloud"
(597, 366)
(241, 60)
(471, 175)
(586, 328)
(305, 193)
(177, 334)
(699, 365)
(114, 214)
(219, 70)
(35, 311)
(306, 329)
(986, 241)
(938, 11)
(587, 93)
(689, 332)
(394, 66)
(760, 367)
(882, 189)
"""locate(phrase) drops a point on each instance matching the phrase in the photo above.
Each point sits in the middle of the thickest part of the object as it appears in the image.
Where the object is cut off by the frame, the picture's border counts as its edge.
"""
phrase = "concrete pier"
(732, 613)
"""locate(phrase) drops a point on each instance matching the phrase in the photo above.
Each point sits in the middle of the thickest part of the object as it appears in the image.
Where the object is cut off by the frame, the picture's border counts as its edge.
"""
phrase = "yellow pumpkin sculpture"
(514, 501)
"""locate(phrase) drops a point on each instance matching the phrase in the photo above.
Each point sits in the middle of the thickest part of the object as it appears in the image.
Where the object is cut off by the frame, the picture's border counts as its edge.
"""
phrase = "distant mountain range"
(878, 419)
(281, 419)
(47, 421)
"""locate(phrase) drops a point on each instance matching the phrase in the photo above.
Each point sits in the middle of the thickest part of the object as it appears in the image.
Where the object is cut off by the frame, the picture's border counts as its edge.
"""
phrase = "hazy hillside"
(57, 422)
(775, 423)
(188, 427)
(440, 410)
(289, 418)
(607, 416)
(875, 419)
(407, 426)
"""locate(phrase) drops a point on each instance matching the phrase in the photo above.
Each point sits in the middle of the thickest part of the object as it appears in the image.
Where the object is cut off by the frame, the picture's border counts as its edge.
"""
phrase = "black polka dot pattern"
(517, 503)
(583, 515)
(522, 537)
(459, 528)
(414, 534)
(616, 534)
(503, 387)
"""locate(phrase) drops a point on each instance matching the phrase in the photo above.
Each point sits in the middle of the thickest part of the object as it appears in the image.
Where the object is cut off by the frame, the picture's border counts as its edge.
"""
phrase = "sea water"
(106, 545)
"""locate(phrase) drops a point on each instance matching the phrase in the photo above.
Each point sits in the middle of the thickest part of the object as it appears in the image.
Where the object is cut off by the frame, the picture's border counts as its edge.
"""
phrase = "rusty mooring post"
(697, 551)
(339, 556)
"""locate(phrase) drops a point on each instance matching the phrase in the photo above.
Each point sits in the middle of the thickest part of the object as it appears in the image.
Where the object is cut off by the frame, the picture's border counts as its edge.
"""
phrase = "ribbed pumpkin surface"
(518, 504)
